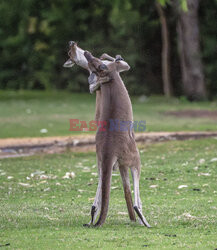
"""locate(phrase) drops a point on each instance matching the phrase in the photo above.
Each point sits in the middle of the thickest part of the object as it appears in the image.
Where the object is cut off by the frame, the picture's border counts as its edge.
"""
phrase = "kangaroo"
(113, 148)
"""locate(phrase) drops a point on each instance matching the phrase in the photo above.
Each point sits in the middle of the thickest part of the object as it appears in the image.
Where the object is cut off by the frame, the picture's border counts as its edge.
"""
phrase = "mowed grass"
(26, 113)
(40, 213)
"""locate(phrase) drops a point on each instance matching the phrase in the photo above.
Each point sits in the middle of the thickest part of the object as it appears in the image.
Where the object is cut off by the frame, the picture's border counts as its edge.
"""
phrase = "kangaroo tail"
(106, 184)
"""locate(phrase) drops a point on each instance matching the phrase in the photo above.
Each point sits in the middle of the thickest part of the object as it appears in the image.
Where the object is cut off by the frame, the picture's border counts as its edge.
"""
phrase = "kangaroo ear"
(68, 64)
(118, 58)
(102, 67)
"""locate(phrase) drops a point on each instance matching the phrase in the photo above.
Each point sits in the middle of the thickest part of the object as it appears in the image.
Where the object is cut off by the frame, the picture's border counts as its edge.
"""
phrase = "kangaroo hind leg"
(138, 204)
(106, 175)
(127, 192)
(97, 202)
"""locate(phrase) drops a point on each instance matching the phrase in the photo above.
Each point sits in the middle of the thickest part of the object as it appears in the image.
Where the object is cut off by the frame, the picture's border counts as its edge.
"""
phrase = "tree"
(189, 48)
(165, 54)
(34, 37)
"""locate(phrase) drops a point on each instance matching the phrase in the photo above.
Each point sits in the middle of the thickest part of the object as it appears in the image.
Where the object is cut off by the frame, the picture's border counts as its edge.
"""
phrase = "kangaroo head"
(96, 65)
(76, 56)
(101, 69)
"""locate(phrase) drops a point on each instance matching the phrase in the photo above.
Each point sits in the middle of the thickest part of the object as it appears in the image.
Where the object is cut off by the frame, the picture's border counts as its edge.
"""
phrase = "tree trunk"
(189, 49)
(165, 61)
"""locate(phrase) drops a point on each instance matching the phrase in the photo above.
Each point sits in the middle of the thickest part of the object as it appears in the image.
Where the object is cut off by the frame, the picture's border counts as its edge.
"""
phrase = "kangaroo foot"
(142, 218)
(93, 212)
(86, 225)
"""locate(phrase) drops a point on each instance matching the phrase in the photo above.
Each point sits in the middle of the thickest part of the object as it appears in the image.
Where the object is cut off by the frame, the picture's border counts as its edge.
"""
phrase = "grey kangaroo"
(113, 148)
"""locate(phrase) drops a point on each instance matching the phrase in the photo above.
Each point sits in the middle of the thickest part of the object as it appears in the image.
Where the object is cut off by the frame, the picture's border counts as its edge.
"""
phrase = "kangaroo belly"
(120, 145)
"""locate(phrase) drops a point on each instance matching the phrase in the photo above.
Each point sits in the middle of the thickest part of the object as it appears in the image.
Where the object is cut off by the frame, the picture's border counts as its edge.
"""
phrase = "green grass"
(25, 113)
(49, 213)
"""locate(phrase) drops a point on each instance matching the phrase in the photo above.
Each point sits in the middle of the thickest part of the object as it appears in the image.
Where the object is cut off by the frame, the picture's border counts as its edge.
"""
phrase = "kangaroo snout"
(71, 43)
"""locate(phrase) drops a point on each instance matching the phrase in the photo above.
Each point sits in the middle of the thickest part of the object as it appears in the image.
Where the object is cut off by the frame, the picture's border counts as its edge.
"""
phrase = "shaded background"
(34, 36)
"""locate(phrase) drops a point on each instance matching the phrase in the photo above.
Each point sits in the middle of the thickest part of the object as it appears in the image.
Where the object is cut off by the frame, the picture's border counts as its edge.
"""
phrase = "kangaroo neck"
(115, 101)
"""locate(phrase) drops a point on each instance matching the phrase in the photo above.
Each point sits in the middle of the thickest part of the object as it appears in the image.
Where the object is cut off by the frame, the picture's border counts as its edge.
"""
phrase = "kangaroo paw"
(142, 218)
(93, 211)
(98, 225)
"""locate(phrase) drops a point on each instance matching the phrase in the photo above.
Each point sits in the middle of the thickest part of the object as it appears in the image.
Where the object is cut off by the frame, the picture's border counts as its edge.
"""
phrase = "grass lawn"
(24, 114)
(40, 213)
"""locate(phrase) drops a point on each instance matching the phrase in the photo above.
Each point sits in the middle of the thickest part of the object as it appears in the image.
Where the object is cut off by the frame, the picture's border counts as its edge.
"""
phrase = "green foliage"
(164, 2)
(34, 36)
(184, 5)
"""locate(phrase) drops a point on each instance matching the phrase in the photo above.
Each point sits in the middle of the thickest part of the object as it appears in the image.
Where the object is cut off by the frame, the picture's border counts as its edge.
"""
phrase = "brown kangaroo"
(114, 148)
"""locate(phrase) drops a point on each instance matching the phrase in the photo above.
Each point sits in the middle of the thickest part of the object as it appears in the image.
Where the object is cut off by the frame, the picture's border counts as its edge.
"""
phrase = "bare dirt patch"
(19, 147)
(211, 114)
